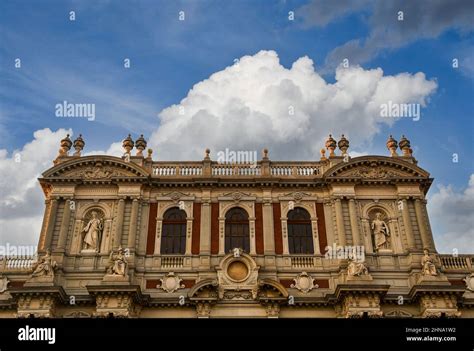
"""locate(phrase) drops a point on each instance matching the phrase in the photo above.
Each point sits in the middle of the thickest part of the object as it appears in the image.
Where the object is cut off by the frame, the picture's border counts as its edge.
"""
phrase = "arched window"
(300, 237)
(237, 230)
(173, 234)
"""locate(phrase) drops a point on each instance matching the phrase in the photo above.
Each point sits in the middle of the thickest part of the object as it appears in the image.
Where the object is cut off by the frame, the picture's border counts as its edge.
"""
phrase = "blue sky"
(81, 61)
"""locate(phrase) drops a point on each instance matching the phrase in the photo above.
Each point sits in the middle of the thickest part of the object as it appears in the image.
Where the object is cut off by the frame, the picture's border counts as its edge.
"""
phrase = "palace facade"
(338, 237)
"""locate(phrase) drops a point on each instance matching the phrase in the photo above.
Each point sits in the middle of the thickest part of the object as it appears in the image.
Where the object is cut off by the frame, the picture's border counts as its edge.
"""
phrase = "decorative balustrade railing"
(302, 262)
(295, 169)
(17, 263)
(172, 262)
(457, 263)
(223, 170)
(165, 169)
(258, 169)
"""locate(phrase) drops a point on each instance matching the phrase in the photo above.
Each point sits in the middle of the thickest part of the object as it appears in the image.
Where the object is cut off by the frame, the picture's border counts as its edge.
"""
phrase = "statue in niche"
(93, 232)
(118, 262)
(45, 266)
(427, 264)
(381, 232)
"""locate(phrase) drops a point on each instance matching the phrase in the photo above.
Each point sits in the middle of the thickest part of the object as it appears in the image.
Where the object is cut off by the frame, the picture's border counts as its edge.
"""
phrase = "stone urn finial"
(405, 146)
(207, 153)
(140, 145)
(265, 153)
(78, 145)
(66, 144)
(392, 146)
(128, 144)
(343, 145)
(331, 145)
(323, 154)
(149, 154)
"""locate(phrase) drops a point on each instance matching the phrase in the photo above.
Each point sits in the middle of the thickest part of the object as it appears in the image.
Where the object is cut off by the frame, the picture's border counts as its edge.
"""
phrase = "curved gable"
(376, 167)
(95, 167)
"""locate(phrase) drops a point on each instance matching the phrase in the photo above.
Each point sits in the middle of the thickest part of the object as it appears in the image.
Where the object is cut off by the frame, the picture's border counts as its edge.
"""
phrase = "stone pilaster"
(63, 232)
(189, 233)
(119, 224)
(354, 223)
(408, 225)
(142, 236)
(51, 222)
(268, 236)
(205, 236)
(425, 238)
(341, 232)
(132, 232)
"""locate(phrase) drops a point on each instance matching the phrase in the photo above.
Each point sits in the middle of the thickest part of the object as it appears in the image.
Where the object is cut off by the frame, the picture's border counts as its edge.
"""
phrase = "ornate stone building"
(338, 237)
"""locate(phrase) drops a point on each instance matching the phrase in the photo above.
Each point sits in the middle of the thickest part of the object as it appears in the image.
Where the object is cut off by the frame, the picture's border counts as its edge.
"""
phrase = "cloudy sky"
(226, 77)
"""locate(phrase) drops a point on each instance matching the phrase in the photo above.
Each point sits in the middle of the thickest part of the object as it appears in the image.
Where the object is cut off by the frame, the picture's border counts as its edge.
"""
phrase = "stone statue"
(4, 284)
(427, 264)
(118, 263)
(356, 268)
(381, 232)
(45, 266)
(93, 232)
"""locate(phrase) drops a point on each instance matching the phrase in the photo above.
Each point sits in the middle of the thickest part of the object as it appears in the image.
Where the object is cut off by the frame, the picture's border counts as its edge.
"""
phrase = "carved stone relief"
(304, 283)
(170, 283)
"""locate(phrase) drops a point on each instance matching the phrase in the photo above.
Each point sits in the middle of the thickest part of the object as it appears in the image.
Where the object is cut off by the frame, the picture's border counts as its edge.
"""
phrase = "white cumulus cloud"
(21, 197)
(259, 103)
(452, 216)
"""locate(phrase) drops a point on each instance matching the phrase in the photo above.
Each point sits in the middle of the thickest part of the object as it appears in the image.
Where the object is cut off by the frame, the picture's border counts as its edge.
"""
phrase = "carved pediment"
(95, 167)
(376, 168)
(373, 171)
(97, 171)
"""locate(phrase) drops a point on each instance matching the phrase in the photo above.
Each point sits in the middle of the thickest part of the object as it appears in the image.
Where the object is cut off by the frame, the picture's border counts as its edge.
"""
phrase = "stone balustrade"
(17, 263)
(258, 169)
(457, 263)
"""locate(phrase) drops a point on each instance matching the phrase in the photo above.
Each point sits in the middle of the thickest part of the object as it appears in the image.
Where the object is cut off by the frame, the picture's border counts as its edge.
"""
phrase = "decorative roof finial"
(66, 144)
(140, 145)
(343, 145)
(265, 153)
(405, 147)
(392, 146)
(149, 153)
(78, 145)
(207, 153)
(323, 154)
(331, 145)
(128, 144)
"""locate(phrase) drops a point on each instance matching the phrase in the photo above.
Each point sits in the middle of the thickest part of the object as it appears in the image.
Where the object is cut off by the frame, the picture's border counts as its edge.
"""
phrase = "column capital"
(420, 200)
